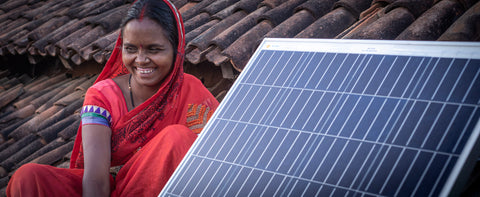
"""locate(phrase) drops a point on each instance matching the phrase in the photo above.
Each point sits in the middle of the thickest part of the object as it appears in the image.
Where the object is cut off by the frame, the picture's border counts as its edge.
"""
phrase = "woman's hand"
(96, 141)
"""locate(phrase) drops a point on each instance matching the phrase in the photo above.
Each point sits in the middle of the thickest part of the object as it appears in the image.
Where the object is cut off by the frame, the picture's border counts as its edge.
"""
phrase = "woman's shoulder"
(104, 84)
(105, 90)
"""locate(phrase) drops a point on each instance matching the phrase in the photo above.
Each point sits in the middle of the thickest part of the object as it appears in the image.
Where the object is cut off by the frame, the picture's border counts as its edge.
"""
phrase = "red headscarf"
(143, 122)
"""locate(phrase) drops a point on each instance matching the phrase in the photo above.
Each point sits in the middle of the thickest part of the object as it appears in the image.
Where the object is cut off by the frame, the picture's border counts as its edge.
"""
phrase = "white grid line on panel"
(291, 107)
(363, 68)
(336, 160)
(251, 101)
(428, 77)
(221, 181)
(376, 70)
(442, 80)
(465, 129)
(440, 175)
(303, 108)
(316, 67)
(282, 69)
(326, 70)
(391, 171)
(386, 74)
(224, 143)
(418, 123)
(335, 75)
(274, 65)
(305, 67)
(195, 172)
(458, 79)
(424, 173)
(264, 67)
(448, 128)
(215, 139)
(477, 76)
(299, 63)
(288, 151)
(362, 117)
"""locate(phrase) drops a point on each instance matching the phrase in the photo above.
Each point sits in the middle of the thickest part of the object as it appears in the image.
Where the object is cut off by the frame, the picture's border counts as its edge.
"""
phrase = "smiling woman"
(148, 58)
(138, 119)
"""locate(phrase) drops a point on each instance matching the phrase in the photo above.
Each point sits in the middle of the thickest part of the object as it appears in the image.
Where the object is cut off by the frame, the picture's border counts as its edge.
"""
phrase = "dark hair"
(158, 11)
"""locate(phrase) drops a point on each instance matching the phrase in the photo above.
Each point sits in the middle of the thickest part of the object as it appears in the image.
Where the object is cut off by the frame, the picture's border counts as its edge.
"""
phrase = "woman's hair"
(158, 11)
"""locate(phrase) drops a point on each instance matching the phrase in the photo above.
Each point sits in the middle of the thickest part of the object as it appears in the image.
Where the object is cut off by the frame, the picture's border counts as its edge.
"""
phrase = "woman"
(141, 115)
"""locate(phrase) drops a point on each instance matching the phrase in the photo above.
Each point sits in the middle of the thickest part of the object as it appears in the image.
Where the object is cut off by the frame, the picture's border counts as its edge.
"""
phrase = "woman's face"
(146, 52)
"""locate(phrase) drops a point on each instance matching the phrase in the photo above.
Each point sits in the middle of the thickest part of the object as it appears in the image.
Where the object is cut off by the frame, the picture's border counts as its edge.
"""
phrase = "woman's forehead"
(143, 30)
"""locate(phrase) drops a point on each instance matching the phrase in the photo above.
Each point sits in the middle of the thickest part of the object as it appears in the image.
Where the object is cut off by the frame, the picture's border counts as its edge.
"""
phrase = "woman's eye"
(155, 50)
(130, 49)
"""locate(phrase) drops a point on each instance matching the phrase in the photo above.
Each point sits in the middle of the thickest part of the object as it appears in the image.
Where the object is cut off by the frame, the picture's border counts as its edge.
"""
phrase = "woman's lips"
(144, 70)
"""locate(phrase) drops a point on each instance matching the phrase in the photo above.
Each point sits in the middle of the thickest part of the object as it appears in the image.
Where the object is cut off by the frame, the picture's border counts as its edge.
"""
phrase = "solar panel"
(341, 118)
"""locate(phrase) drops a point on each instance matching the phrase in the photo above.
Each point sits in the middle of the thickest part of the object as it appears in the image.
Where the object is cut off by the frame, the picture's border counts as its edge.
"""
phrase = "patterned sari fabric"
(147, 142)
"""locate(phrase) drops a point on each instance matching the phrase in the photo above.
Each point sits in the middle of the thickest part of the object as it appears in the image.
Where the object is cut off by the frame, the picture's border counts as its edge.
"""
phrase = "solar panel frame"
(439, 50)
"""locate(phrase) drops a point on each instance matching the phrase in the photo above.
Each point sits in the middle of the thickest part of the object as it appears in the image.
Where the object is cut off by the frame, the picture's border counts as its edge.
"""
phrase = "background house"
(52, 50)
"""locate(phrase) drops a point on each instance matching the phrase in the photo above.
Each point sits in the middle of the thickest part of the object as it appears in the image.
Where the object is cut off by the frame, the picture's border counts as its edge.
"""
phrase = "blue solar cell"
(341, 118)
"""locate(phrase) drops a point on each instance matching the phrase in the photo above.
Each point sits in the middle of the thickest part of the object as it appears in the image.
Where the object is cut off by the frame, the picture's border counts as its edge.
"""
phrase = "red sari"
(148, 141)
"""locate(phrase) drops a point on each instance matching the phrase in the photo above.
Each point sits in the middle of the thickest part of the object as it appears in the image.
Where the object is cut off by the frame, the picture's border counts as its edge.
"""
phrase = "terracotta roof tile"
(281, 12)
(41, 151)
(197, 31)
(21, 154)
(54, 155)
(5, 132)
(247, 5)
(217, 6)
(466, 28)
(428, 25)
(243, 48)
(201, 42)
(329, 25)
(50, 133)
(17, 145)
(196, 9)
(317, 8)
(31, 126)
(229, 35)
(354, 6)
(292, 26)
(196, 21)
(387, 27)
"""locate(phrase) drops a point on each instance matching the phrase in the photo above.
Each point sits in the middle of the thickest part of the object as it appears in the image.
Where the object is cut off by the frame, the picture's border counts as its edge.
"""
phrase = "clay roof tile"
(218, 6)
(292, 26)
(354, 6)
(416, 7)
(466, 28)
(41, 151)
(388, 26)
(280, 13)
(54, 155)
(317, 8)
(330, 25)
(431, 24)
(227, 37)
(196, 9)
(202, 40)
(243, 48)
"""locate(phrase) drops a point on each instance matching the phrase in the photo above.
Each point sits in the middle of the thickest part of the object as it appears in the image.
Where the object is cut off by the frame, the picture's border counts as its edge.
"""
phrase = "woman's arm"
(96, 141)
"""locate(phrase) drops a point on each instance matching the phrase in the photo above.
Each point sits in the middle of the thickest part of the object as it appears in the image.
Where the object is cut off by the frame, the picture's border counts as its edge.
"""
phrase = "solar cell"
(341, 118)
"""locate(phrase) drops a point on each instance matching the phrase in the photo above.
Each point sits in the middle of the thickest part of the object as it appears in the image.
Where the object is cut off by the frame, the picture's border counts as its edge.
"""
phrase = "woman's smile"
(147, 53)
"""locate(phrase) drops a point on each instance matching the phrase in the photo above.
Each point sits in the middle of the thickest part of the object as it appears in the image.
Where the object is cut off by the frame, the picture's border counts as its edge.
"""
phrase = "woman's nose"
(142, 58)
